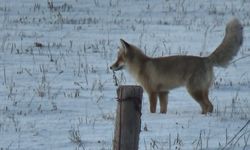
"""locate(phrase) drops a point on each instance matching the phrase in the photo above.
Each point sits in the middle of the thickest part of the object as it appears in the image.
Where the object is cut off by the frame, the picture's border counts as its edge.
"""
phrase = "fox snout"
(116, 66)
(119, 63)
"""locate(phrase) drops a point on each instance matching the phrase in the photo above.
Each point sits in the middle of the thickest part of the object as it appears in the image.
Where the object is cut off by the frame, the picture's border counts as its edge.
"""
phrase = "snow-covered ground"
(57, 92)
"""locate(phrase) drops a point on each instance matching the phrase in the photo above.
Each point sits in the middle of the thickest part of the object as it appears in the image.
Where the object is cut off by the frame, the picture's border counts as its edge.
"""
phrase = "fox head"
(122, 56)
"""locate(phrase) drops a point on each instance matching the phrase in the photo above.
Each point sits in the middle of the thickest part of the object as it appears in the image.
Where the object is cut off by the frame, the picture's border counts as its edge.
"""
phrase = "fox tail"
(230, 45)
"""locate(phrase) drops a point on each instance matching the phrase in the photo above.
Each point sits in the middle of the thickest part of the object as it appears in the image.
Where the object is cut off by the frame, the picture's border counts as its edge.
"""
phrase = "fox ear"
(124, 44)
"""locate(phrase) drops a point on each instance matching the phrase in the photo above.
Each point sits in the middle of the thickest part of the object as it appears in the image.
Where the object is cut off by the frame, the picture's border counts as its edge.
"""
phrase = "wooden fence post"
(128, 118)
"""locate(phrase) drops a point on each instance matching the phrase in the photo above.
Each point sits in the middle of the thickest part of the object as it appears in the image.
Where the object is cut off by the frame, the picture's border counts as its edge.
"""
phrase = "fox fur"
(160, 75)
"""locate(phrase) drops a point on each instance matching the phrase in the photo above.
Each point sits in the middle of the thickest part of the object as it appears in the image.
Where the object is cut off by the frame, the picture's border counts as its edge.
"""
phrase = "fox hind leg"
(153, 101)
(208, 104)
(198, 86)
(163, 97)
(201, 96)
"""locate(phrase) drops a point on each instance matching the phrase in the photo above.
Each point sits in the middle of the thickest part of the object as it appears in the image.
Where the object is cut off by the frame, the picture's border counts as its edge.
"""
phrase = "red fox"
(160, 75)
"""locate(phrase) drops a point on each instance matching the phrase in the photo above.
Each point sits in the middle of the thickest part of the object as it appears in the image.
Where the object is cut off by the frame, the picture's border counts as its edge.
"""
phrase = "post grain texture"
(128, 118)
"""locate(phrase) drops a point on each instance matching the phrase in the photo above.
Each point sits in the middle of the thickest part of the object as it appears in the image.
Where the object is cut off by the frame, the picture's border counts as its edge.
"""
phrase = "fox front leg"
(153, 101)
(163, 96)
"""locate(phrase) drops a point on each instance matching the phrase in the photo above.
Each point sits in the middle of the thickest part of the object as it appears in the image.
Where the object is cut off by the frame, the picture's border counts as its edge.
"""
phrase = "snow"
(64, 90)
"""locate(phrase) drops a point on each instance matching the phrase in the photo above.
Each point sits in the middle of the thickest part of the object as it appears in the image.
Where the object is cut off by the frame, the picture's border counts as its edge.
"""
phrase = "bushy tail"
(230, 45)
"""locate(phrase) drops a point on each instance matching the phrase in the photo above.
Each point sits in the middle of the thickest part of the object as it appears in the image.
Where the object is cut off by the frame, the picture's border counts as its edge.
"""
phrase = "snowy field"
(57, 92)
